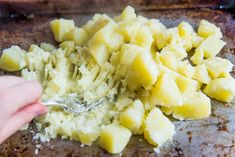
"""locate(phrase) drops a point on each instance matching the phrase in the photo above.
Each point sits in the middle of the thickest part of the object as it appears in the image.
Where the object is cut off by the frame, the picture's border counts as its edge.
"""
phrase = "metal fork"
(75, 106)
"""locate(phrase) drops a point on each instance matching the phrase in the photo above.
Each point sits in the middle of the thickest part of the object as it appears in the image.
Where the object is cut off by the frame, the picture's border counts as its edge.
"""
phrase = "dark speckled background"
(214, 136)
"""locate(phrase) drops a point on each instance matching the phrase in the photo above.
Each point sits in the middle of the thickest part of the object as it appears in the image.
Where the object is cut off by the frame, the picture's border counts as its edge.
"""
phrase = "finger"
(20, 118)
(8, 81)
(18, 96)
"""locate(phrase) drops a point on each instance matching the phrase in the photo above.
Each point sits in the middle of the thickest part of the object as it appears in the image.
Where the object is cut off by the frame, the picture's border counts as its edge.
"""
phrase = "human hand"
(19, 104)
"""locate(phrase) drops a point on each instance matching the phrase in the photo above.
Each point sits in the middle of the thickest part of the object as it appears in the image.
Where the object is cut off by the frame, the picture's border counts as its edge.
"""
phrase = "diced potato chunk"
(206, 29)
(166, 92)
(132, 81)
(114, 138)
(12, 59)
(47, 47)
(128, 29)
(177, 49)
(185, 30)
(217, 66)
(186, 84)
(145, 69)
(133, 116)
(196, 105)
(128, 14)
(158, 128)
(185, 68)
(198, 56)
(158, 31)
(88, 135)
(196, 40)
(211, 46)
(98, 21)
(143, 38)
(60, 27)
(201, 74)
(222, 89)
(99, 52)
(168, 59)
(78, 35)
(128, 53)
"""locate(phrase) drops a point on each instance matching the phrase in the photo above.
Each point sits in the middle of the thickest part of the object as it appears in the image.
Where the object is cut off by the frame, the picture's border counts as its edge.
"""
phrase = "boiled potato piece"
(185, 68)
(145, 69)
(198, 56)
(13, 59)
(114, 138)
(143, 38)
(158, 31)
(222, 89)
(166, 92)
(97, 22)
(206, 29)
(47, 47)
(211, 46)
(128, 14)
(133, 116)
(88, 135)
(201, 74)
(185, 29)
(196, 40)
(168, 59)
(128, 29)
(217, 66)
(128, 53)
(132, 81)
(99, 52)
(60, 27)
(158, 128)
(78, 35)
(196, 105)
(186, 84)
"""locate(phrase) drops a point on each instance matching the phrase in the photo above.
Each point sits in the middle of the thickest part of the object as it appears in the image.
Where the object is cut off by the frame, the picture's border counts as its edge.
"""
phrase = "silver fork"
(75, 106)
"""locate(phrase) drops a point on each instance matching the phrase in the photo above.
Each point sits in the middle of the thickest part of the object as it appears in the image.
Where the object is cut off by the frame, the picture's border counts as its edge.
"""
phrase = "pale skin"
(19, 104)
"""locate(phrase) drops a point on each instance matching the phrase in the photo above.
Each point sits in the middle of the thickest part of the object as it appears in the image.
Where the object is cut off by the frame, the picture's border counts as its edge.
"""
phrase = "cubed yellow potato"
(96, 23)
(172, 34)
(171, 73)
(128, 29)
(222, 89)
(88, 135)
(196, 40)
(145, 69)
(99, 52)
(68, 47)
(60, 27)
(177, 49)
(186, 84)
(166, 92)
(198, 56)
(128, 14)
(78, 35)
(217, 66)
(158, 128)
(12, 59)
(206, 29)
(128, 53)
(201, 74)
(158, 31)
(114, 138)
(168, 59)
(211, 46)
(143, 38)
(185, 68)
(133, 116)
(196, 105)
(185, 29)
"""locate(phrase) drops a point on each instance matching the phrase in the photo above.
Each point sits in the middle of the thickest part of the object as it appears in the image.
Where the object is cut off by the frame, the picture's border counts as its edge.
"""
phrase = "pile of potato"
(168, 70)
